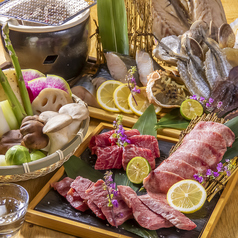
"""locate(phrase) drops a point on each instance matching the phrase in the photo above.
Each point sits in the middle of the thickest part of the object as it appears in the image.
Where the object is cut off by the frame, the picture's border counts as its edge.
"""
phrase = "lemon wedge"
(187, 196)
(120, 97)
(105, 95)
(141, 103)
(137, 169)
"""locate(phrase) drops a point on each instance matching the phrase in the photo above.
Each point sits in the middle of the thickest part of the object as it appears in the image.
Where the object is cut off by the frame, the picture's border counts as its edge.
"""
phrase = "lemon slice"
(105, 95)
(142, 102)
(187, 196)
(137, 169)
(191, 108)
(120, 97)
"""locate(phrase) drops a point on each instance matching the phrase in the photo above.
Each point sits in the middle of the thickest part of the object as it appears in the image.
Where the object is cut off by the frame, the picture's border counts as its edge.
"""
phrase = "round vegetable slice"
(137, 169)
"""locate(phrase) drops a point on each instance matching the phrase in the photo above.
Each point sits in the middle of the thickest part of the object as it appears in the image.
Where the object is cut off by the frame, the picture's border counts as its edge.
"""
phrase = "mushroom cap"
(57, 123)
(45, 116)
(77, 111)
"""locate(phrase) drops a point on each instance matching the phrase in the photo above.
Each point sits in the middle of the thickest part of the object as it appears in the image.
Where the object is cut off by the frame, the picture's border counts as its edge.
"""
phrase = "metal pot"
(60, 50)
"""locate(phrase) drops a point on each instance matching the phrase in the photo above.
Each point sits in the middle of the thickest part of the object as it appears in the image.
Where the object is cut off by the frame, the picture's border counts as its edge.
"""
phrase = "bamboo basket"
(213, 186)
(47, 164)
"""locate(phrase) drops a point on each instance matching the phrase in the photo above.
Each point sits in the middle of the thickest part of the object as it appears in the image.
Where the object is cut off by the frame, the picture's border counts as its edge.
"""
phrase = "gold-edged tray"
(73, 227)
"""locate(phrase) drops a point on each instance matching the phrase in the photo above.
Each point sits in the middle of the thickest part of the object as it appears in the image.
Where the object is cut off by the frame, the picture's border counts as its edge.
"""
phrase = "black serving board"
(54, 204)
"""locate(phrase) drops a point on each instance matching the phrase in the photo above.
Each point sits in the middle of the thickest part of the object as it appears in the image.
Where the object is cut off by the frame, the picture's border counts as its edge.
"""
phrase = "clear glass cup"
(14, 201)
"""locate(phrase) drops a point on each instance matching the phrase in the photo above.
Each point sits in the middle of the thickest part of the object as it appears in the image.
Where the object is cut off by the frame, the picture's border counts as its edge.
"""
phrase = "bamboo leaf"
(76, 166)
(172, 120)
(138, 230)
(121, 179)
(232, 124)
(112, 21)
(146, 123)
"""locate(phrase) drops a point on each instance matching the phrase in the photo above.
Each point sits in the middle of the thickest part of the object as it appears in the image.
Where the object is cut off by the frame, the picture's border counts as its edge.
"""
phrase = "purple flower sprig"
(131, 82)
(120, 135)
(112, 193)
(206, 103)
(211, 175)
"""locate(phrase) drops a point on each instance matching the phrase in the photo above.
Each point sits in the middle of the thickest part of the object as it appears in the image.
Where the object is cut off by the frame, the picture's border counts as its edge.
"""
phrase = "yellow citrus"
(105, 95)
(187, 196)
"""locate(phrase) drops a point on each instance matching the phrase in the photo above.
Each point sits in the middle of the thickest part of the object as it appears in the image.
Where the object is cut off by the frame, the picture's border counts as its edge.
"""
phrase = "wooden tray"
(41, 212)
(128, 120)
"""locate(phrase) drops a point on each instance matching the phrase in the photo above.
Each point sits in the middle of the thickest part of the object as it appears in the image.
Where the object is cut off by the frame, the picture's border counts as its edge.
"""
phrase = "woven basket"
(47, 164)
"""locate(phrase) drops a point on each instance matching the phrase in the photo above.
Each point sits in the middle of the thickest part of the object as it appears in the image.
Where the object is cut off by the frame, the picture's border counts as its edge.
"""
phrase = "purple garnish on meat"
(62, 186)
(148, 142)
(128, 134)
(114, 215)
(142, 214)
(131, 151)
(109, 157)
(177, 218)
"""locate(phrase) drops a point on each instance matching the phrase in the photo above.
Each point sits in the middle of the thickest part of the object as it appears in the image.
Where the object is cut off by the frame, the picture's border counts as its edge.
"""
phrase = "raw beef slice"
(62, 186)
(142, 214)
(131, 151)
(148, 142)
(109, 157)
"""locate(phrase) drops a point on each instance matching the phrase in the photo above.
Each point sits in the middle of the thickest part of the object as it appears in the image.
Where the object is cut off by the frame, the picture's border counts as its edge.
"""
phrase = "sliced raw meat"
(62, 186)
(80, 185)
(177, 218)
(131, 151)
(101, 140)
(144, 216)
(96, 210)
(128, 133)
(98, 195)
(148, 142)
(160, 181)
(178, 167)
(190, 158)
(109, 157)
(76, 201)
(206, 152)
(223, 130)
(212, 138)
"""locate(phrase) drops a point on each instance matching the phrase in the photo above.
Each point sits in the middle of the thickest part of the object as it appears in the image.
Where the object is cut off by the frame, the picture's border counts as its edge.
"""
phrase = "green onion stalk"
(17, 108)
(23, 91)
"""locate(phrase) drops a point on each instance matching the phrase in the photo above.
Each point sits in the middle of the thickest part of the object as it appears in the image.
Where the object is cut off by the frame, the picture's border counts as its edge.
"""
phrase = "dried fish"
(173, 43)
(145, 65)
(119, 65)
(222, 65)
(226, 36)
(174, 17)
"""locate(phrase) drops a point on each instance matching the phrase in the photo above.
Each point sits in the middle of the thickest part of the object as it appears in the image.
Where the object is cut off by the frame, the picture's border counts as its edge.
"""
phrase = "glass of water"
(14, 201)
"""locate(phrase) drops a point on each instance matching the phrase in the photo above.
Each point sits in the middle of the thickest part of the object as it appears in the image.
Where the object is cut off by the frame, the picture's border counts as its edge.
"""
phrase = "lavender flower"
(214, 174)
(211, 100)
(219, 104)
(194, 97)
(122, 139)
(115, 203)
(201, 99)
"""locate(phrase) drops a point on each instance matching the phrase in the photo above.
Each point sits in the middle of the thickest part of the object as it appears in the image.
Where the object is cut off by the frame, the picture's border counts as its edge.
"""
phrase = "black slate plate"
(54, 204)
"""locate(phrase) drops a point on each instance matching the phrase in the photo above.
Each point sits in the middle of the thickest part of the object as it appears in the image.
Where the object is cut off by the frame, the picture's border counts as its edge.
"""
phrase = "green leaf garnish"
(145, 124)
(76, 166)
(138, 230)
(172, 120)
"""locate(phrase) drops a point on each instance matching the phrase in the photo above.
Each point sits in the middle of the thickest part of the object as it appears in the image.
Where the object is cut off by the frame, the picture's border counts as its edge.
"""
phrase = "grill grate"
(47, 12)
